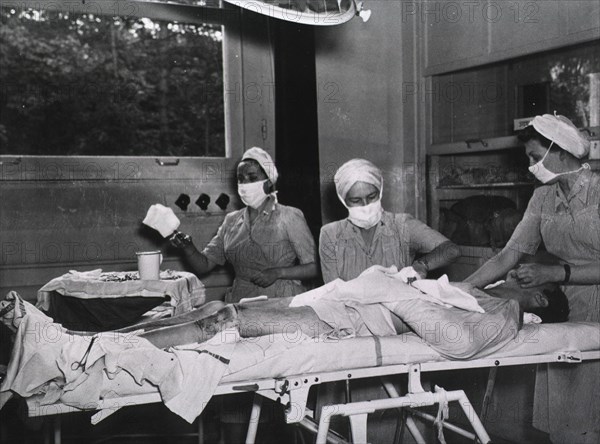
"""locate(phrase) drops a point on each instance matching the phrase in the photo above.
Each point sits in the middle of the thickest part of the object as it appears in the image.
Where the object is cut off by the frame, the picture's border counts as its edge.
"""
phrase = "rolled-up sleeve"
(527, 236)
(300, 237)
(215, 249)
(423, 239)
(327, 255)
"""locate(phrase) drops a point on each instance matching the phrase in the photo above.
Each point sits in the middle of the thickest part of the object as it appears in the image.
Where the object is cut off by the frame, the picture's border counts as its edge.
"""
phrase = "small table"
(97, 301)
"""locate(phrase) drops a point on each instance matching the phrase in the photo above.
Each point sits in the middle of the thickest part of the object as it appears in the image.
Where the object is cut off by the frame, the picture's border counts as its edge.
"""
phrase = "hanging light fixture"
(307, 12)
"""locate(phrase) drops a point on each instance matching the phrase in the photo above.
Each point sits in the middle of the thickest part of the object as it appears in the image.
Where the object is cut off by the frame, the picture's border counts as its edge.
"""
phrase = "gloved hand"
(408, 275)
(181, 240)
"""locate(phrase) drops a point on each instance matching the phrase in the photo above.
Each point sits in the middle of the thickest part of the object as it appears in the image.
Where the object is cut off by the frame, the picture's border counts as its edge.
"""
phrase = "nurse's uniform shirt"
(397, 238)
(278, 237)
(569, 227)
(566, 403)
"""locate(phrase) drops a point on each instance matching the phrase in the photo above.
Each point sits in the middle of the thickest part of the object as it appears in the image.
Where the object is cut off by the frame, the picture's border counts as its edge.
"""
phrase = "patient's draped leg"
(252, 320)
(202, 312)
(195, 331)
(265, 319)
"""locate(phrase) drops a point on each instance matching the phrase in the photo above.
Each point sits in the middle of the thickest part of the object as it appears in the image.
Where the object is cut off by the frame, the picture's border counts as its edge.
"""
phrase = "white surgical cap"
(356, 170)
(563, 133)
(264, 160)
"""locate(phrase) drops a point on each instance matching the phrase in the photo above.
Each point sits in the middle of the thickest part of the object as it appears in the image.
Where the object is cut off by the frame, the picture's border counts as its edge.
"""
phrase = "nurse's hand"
(532, 275)
(409, 274)
(184, 243)
(420, 268)
(266, 277)
(180, 240)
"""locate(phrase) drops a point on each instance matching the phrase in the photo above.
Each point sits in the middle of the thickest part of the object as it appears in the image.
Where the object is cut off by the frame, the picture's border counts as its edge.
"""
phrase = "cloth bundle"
(53, 365)
(162, 219)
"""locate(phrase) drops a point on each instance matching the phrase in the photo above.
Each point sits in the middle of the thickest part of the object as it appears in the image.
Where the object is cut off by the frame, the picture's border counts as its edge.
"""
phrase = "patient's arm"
(495, 268)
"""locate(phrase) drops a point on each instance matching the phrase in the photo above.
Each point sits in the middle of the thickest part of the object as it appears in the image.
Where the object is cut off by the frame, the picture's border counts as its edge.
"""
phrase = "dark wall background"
(297, 146)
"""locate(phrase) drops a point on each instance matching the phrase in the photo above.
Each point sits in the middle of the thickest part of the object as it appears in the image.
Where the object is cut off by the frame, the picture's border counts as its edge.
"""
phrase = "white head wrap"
(563, 133)
(264, 160)
(356, 170)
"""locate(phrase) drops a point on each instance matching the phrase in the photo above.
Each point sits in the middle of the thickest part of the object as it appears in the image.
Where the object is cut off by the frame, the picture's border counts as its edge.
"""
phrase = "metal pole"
(254, 419)
(449, 426)
(473, 418)
(410, 422)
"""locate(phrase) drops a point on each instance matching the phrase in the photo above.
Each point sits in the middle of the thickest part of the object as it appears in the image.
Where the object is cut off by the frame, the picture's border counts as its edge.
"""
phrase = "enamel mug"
(149, 264)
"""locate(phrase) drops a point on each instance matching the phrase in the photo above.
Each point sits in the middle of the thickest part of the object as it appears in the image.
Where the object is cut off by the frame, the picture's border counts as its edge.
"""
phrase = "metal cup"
(149, 264)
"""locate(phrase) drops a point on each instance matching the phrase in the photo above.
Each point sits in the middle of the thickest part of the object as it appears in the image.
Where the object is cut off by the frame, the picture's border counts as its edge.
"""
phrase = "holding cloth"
(162, 219)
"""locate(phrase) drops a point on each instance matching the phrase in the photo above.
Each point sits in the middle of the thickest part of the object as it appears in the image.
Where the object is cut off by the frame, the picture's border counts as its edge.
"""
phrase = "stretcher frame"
(292, 393)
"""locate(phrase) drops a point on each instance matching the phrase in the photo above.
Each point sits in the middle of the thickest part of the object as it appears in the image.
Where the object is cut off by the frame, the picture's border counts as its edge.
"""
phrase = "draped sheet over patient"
(451, 321)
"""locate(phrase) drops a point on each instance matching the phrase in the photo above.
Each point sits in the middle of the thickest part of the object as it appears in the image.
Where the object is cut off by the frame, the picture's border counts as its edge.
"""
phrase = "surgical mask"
(543, 174)
(366, 216)
(253, 194)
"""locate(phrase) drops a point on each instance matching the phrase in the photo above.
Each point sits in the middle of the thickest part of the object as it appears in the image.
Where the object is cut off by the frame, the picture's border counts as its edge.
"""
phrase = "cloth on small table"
(97, 301)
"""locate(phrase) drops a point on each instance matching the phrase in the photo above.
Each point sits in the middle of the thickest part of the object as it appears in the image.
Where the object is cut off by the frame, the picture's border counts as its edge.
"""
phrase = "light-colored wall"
(460, 35)
(363, 72)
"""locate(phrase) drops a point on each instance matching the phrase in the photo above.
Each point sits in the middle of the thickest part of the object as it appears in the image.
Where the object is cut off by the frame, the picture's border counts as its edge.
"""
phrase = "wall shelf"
(470, 146)
(486, 185)
(460, 166)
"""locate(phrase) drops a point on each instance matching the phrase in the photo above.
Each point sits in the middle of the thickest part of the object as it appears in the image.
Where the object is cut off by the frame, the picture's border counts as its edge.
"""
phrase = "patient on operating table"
(367, 305)
(454, 332)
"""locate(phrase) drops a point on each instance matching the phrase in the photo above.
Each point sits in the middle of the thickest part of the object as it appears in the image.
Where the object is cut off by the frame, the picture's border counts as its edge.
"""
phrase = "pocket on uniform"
(587, 226)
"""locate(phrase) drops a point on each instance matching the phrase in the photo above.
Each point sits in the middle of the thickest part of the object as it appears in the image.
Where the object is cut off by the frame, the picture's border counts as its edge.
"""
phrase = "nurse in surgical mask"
(369, 236)
(372, 236)
(549, 162)
(268, 244)
(563, 215)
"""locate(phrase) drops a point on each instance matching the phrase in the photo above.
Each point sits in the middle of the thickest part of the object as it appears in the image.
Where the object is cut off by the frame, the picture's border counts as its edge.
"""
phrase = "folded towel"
(447, 293)
(162, 219)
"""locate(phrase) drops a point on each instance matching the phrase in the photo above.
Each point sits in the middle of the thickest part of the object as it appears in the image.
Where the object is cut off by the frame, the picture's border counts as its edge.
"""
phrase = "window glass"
(565, 80)
(85, 84)
(483, 102)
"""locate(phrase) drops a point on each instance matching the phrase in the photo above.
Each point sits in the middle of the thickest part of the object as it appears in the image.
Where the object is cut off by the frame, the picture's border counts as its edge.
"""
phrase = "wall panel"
(367, 82)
